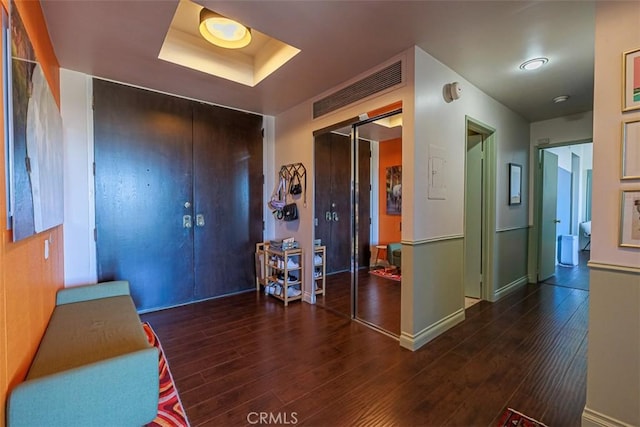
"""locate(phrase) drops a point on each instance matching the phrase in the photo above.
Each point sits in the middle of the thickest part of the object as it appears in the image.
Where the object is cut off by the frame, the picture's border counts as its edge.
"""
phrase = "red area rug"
(389, 274)
(512, 418)
(170, 410)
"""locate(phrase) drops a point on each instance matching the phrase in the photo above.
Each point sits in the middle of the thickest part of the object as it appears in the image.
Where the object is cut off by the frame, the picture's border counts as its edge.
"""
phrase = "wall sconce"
(451, 91)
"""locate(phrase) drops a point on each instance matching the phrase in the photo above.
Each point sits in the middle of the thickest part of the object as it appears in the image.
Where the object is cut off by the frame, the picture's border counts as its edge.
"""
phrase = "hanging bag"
(290, 212)
(295, 187)
(278, 197)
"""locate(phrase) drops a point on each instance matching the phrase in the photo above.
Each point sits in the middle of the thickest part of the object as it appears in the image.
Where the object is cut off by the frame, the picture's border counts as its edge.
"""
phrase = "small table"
(381, 250)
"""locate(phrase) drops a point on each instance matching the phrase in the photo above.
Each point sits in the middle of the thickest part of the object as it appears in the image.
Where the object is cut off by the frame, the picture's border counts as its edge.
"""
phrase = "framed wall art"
(630, 219)
(394, 190)
(35, 151)
(515, 184)
(631, 149)
(631, 80)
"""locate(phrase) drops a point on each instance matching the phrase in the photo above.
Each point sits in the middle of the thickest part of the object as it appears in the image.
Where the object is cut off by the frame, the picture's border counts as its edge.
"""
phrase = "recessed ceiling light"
(533, 64)
(560, 98)
(222, 31)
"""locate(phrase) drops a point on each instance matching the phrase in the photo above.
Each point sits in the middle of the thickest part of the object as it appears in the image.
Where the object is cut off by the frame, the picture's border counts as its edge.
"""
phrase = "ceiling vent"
(370, 85)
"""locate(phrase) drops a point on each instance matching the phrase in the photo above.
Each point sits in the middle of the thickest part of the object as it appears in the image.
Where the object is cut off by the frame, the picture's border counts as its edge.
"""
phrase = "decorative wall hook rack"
(295, 174)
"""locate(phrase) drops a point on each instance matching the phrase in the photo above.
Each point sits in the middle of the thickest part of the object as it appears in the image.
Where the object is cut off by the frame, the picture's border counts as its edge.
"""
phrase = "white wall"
(295, 143)
(443, 125)
(613, 376)
(617, 31)
(427, 120)
(575, 127)
(79, 213)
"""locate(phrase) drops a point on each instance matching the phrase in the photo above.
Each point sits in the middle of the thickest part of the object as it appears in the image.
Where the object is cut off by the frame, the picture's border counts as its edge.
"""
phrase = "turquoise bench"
(94, 365)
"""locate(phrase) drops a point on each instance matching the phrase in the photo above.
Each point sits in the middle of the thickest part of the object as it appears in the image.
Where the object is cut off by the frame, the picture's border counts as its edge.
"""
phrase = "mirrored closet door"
(358, 207)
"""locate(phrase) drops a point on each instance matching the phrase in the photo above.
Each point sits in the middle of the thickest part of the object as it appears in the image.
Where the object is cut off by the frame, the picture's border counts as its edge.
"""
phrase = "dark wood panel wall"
(161, 163)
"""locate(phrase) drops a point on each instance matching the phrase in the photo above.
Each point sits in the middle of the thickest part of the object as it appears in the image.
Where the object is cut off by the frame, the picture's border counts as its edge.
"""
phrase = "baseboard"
(414, 342)
(308, 298)
(507, 289)
(591, 418)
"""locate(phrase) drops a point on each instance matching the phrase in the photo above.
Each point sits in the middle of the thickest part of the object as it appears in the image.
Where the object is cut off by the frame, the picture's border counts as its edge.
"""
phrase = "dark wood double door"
(178, 190)
(334, 200)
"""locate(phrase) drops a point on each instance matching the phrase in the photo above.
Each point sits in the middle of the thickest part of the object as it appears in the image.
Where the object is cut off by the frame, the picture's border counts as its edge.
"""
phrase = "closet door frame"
(355, 194)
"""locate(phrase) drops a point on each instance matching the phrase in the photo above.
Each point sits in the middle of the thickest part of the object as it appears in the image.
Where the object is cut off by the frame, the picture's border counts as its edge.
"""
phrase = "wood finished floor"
(247, 353)
(572, 276)
(378, 299)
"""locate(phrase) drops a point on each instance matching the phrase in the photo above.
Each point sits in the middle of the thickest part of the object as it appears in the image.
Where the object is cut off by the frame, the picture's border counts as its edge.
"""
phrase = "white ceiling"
(484, 41)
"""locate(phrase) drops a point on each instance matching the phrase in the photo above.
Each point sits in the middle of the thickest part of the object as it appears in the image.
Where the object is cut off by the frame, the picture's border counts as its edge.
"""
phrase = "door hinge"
(262, 132)
(263, 226)
(95, 234)
(94, 168)
(27, 163)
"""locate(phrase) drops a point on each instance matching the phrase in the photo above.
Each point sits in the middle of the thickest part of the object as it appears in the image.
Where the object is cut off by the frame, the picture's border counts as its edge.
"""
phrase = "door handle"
(186, 221)
(335, 216)
(200, 220)
(556, 221)
(327, 216)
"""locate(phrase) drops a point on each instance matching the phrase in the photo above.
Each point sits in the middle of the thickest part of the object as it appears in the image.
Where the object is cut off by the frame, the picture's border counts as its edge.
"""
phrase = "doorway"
(349, 188)
(479, 140)
(563, 211)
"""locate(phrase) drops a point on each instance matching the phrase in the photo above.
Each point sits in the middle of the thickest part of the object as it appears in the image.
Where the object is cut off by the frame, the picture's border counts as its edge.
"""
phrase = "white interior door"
(473, 218)
(548, 216)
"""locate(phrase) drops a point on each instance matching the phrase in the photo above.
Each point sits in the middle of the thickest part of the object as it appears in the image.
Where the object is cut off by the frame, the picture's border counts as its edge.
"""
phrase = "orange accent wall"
(390, 154)
(28, 282)
(33, 19)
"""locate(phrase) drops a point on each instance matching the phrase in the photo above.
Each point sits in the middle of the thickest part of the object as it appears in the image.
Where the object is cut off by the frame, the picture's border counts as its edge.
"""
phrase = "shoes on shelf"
(273, 289)
(317, 274)
(291, 278)
(293, 292)
(279, 263)
(317, 260)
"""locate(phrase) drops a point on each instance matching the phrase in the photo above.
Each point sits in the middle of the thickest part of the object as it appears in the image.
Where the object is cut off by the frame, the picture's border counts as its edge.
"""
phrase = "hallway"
(576, 277)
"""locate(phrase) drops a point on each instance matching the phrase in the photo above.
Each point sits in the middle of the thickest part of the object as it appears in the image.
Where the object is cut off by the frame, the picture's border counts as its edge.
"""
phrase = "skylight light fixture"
(533, 64)
(222, 31)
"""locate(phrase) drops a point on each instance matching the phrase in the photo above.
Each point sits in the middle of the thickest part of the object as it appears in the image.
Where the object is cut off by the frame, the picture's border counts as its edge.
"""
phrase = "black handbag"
(290, 212)
(295, 187)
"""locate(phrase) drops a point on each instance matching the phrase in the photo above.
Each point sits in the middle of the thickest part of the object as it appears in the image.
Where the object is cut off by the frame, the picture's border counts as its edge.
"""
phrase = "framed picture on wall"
(515, 184)
(394, 190)
(630, 219)
(631, 80)
(631, 149)
(6, 102)
(35, 152)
